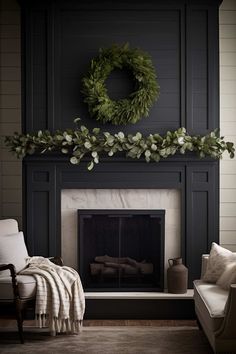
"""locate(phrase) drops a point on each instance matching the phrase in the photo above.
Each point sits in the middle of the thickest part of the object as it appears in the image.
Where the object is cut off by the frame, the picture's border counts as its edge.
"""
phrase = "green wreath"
(138, 103)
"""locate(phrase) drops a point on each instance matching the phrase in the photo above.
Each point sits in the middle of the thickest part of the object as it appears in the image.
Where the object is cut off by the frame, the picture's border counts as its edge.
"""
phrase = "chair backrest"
(12, 245)
(8, 227)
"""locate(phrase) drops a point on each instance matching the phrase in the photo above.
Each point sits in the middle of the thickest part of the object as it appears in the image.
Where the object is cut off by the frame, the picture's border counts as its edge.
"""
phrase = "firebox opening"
(121, 249)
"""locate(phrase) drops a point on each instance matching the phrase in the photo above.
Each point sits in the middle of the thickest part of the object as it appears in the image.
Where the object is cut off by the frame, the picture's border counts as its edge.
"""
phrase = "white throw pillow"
(218, 259)
(13, 250)
(228, 277)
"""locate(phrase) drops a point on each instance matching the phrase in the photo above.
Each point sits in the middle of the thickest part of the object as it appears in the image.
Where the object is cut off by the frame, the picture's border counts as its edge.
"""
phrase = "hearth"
(121, 249)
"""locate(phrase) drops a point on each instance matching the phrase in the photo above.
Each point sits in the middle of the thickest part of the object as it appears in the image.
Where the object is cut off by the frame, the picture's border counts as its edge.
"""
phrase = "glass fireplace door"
(121, 249)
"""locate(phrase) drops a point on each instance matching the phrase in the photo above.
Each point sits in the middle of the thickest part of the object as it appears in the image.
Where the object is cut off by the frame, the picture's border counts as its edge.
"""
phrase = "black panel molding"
(196, 179)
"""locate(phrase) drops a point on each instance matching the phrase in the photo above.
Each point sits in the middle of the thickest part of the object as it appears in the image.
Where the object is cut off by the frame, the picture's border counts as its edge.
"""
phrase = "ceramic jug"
(177, 276)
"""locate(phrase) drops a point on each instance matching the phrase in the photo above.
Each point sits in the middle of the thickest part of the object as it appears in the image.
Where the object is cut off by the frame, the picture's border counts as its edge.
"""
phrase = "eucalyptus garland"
(138, 103)
(80, 143)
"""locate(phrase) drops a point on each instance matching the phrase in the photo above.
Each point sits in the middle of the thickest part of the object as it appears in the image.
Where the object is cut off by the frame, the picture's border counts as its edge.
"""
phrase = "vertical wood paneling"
(40, 209)
(10, 108)
(227, 17)
(202, 214)
(60, 43)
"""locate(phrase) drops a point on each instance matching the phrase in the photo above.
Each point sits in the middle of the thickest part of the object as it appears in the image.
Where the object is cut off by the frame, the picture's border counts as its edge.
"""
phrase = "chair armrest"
(10, 267)
(12, 270)
(56, 260)
(205, 258)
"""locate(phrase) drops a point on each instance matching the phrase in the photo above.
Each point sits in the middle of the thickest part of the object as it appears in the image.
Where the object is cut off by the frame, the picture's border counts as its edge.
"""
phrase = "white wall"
(227, 18)
(10, 107)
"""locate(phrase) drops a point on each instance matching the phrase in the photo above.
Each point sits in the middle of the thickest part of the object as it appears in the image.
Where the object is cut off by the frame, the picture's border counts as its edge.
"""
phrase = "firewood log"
(111, 268)
(126, 268)
(123, 260)
(106, 258)
(97, 268)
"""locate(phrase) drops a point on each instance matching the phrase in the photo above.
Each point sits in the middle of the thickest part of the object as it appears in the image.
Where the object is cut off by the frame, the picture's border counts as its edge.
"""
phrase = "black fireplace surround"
(59, 38)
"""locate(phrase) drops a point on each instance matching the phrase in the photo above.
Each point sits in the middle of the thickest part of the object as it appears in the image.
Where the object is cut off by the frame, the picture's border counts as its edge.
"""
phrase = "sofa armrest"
(12, 270)
(228, 327)
(205, 258)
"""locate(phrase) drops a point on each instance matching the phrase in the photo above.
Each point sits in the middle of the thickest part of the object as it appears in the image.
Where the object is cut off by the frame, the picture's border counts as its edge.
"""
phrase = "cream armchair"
(17, 292)
(216, 313)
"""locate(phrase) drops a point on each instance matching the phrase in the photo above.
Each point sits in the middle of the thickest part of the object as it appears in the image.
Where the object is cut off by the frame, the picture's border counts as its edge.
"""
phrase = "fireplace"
(121, 249)
(182, 38)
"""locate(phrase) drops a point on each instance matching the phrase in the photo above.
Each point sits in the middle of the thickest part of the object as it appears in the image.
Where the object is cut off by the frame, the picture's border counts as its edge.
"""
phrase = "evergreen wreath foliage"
(81, 143)
(138, 103)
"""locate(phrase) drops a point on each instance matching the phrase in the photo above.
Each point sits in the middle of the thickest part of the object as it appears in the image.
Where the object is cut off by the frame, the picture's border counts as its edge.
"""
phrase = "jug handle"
(171, 262)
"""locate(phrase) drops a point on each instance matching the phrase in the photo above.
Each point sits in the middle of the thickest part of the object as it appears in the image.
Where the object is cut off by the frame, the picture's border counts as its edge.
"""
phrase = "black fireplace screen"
(121, 249)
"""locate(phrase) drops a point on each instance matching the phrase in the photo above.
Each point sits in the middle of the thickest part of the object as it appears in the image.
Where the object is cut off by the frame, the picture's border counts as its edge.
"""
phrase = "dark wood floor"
(154, 323)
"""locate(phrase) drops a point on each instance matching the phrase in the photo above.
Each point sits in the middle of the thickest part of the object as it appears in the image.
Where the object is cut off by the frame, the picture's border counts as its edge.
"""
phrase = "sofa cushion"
(26, 286)
(218, 259)
(210, 301)
(228, 277)
(13, 250)
(213, 297)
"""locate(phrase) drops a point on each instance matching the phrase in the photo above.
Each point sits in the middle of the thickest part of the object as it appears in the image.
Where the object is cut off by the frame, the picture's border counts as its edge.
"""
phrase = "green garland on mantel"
(81, 142)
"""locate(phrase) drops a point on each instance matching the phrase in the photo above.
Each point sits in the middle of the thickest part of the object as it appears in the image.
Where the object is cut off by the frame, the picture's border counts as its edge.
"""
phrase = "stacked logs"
(106, 265)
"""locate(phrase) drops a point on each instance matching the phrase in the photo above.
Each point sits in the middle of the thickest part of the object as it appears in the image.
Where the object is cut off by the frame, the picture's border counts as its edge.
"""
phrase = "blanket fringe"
(41, 320)
(59, 325)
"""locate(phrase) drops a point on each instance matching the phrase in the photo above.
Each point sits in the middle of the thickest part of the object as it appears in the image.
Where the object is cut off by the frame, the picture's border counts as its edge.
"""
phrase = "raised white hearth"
(138, 295)
(73, 200)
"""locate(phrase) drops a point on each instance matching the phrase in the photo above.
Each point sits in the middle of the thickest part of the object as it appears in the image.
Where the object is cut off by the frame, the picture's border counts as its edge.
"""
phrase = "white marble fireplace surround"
(74, 199)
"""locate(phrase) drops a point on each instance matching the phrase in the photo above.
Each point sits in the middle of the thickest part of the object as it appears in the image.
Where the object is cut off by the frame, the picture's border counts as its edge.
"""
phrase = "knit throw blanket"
(60, 301)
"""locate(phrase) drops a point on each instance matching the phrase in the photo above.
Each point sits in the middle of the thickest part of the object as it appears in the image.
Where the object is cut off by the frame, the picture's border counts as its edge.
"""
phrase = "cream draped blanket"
(60, 301)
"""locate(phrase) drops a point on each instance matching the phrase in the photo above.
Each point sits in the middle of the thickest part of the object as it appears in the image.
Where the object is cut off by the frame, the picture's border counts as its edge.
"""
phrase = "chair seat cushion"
(210, 301)
(26, 286)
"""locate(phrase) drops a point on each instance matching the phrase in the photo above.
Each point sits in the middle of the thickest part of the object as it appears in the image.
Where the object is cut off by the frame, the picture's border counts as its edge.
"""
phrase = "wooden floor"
(152, 323)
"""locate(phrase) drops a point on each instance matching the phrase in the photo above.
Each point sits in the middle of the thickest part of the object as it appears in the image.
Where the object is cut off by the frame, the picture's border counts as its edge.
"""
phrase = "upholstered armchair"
(17, 292)
(216, 312)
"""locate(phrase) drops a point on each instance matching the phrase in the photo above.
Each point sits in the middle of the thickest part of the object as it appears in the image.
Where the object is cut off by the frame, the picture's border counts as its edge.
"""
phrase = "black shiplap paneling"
(61, 37)
(35, 70)
(160, 38)
(202, 68)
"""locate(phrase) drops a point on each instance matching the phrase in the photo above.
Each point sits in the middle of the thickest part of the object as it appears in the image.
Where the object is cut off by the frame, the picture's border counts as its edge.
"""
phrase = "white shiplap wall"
(10, 107)
(227, 18)
(10, 116)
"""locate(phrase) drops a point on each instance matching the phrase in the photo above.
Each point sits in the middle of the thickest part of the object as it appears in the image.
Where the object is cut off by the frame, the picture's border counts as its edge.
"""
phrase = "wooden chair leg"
(19, 319)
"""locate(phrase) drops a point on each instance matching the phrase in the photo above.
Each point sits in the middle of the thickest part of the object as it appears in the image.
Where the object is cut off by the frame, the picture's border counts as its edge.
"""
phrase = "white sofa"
(216, 312)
